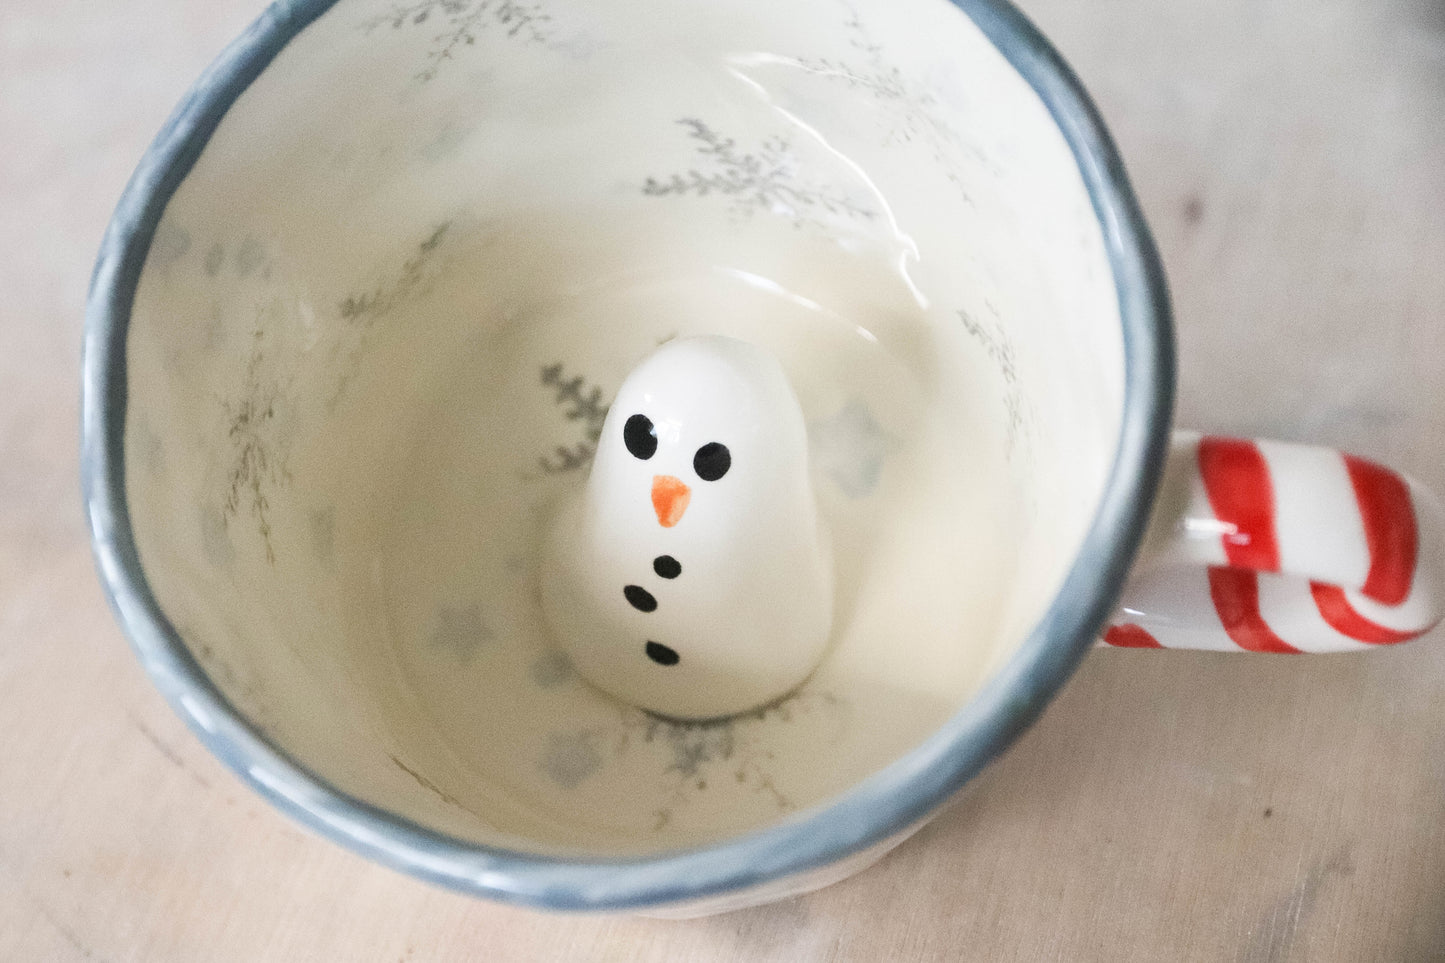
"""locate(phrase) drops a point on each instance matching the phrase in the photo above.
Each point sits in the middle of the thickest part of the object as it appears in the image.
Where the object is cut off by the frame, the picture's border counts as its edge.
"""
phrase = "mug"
(355, 327)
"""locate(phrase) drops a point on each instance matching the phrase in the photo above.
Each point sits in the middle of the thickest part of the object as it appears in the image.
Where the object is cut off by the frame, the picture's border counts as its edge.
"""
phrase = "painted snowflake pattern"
(580, 402)
(765, 178)
(257, 466)
(462, 22)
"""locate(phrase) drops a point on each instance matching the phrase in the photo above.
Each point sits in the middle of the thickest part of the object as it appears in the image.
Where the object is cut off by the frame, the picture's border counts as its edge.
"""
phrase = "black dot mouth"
(661, 654)
(640, 598)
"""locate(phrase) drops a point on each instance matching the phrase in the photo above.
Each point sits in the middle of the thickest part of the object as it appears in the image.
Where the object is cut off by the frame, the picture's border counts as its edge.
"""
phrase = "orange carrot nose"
(669, 499)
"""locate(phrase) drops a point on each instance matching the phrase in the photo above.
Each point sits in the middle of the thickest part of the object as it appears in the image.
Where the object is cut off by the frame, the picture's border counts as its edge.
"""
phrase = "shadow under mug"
(361, 204)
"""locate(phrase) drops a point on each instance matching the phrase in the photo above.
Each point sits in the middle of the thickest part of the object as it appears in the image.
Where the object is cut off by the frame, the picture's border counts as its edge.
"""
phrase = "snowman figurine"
(691, 576)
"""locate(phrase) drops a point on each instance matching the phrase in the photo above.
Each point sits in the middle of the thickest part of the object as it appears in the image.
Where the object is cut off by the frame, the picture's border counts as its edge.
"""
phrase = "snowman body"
(691, 576)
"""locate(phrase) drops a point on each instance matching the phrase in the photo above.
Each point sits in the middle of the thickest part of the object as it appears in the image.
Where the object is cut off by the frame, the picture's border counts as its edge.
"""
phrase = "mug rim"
(886, 804)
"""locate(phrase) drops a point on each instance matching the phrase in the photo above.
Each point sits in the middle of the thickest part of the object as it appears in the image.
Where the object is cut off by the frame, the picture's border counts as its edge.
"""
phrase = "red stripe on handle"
(1236, 478)
(1389, 517)
(1236, 599)
(1345, 619)
(1130, 636)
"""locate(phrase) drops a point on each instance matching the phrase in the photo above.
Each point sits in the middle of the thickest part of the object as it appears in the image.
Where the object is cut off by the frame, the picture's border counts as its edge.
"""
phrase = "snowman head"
(693, 579)
(705, 433)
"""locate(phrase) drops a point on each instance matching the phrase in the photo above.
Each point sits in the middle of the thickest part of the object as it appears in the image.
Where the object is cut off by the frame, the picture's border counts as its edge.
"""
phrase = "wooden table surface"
(1291, 157)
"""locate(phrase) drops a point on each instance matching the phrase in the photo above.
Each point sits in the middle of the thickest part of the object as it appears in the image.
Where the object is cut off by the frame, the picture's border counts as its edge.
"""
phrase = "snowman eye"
(712, 461)
(640, 437)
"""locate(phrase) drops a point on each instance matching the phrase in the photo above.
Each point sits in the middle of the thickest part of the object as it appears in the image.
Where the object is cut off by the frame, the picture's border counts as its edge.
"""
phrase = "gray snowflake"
(763, 179)
(580, 402)
(461, 630)
(1000, 350)
(850, 448)
(551, 670)
(258, 467)
(571, 757)
(462, 22)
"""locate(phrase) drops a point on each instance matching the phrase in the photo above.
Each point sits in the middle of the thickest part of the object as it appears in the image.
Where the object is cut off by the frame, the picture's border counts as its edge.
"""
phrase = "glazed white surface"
(384, 315)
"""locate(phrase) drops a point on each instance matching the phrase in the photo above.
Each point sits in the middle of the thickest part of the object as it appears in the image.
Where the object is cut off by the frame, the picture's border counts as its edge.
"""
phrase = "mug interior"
(382, 317)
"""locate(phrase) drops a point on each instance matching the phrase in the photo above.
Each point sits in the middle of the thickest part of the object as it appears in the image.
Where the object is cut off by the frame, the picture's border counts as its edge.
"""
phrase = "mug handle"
(1263, 546)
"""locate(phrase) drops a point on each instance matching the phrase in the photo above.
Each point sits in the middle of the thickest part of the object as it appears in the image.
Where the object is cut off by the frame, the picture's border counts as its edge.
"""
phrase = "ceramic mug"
(355, 326)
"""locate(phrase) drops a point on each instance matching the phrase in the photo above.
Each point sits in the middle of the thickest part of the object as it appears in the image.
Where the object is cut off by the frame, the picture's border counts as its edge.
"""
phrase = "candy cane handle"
(1270, 547)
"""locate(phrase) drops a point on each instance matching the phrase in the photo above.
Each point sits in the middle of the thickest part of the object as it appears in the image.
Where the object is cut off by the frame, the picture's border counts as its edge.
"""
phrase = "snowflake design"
(461, 631)
(850, 448)
(571, 757)
(256, 469)
(581, 403)
(1000, 351)
(912, 110)
(564, 459)
(552, 669)
(362, 310)
(877, 77)
(764, 179)
(723, 749)
(464, 20)
(369, 305)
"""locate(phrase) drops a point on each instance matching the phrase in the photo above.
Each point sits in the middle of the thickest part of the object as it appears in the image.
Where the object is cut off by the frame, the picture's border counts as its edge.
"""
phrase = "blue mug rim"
(881, 807)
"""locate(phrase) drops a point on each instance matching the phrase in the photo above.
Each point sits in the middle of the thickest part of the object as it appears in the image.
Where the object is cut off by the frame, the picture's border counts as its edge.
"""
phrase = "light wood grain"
(1291, 156)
